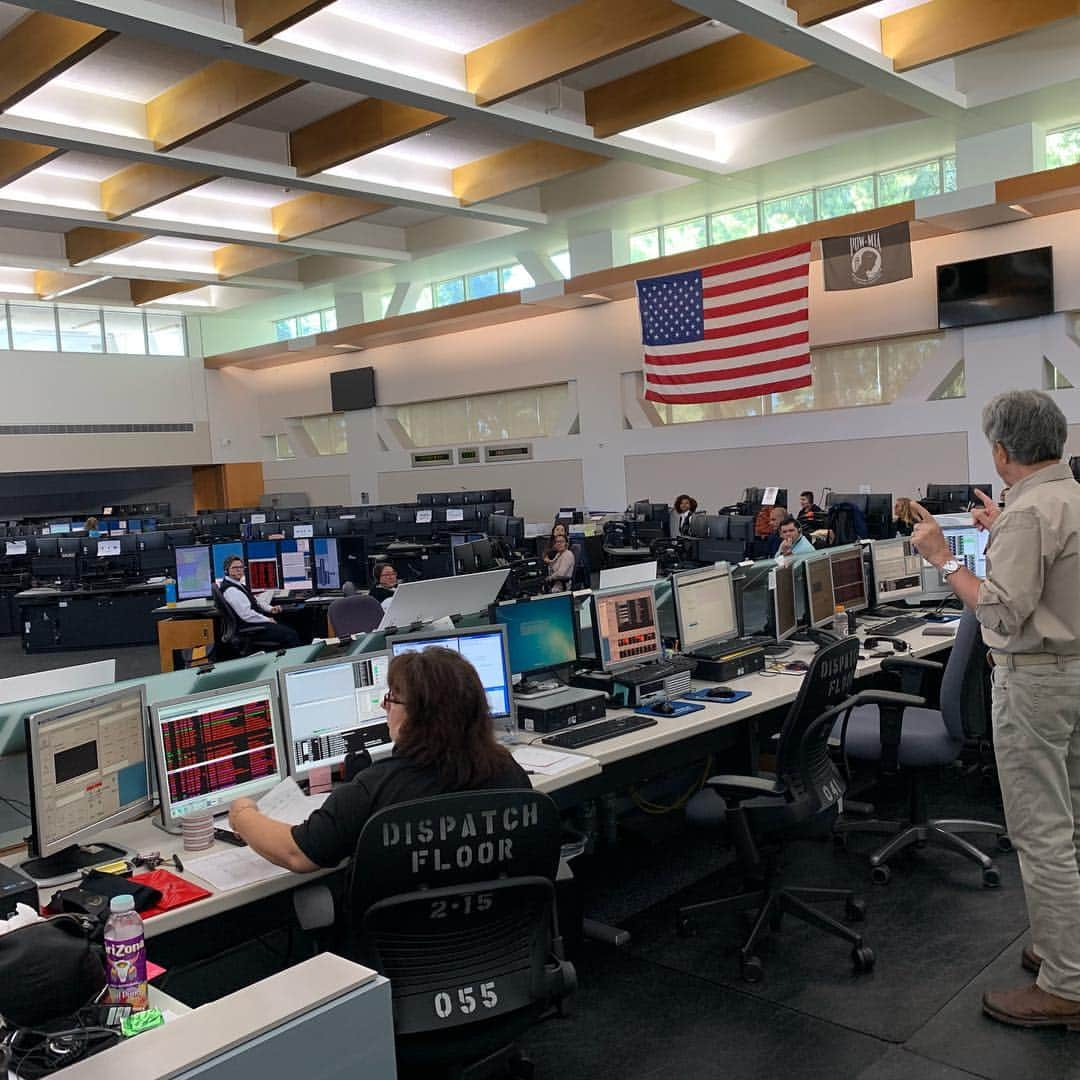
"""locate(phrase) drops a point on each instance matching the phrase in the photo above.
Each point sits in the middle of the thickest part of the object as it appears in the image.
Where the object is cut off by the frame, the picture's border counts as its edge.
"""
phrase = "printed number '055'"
(466, 1000)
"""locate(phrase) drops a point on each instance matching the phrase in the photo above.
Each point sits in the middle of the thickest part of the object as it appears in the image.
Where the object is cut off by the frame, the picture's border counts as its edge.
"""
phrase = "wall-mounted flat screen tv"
(1019, 285)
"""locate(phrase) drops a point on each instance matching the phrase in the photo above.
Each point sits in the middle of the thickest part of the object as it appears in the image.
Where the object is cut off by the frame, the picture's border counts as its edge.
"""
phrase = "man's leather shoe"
(1030, 960)
(1032, 1007)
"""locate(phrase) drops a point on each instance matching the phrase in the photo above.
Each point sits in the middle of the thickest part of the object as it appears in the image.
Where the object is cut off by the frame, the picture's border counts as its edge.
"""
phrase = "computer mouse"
(664, 708)
(719, 692)
(797, 665)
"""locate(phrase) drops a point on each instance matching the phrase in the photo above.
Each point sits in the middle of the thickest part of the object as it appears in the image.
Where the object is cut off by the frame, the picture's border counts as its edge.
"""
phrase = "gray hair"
(1028, 424)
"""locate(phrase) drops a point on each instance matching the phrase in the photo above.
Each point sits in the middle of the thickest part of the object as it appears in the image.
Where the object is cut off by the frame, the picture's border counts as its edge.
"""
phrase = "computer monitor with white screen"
(325, 564)
(296, 570)
(539, 633)
(705, 607)
(627, 628)
(329, 706)
(817, 571)
(848, 577)
(633, 573)
(215, 747)
(89, 770)
(897, 570)
(193, 580)
(967, 545)
(484, 647)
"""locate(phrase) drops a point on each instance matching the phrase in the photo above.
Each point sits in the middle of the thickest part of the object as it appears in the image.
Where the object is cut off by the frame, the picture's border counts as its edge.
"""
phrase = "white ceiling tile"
(299, 107)
(132, 69)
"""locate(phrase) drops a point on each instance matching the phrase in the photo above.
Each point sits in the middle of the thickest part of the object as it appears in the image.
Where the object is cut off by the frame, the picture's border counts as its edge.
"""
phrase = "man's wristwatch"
(949, 568)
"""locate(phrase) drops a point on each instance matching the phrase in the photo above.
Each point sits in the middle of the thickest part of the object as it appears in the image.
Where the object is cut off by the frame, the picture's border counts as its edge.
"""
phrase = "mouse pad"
(681, 709)
(702, 695)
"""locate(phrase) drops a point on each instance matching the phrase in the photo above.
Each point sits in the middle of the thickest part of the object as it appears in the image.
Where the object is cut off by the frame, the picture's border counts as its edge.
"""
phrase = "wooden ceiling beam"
(357, 129)
(39, 48)
(231, 260)
(19, 158)
(567, 41)
(943, 28)
(86, 243)
(52, 284)
(211, 97)
(812, 12)
(262, 19)
(685, 82)
(144, 184)
(316, 210)
(146, 292)
(519, 167)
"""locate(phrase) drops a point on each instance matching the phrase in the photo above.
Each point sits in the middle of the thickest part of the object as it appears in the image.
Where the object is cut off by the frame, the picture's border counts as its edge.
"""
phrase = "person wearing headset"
(249, 611)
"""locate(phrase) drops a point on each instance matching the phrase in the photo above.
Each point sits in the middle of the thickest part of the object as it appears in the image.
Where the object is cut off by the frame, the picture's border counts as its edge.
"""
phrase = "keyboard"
(576, 737)
(732, 645)
(674, 665)
(896, 627)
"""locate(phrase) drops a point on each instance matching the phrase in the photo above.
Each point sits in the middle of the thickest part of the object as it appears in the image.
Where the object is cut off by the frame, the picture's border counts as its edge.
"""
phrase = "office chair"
(918, 741)
(802, 795)
(582, 578)
(465, 929)
(354, 614)
(235, 639)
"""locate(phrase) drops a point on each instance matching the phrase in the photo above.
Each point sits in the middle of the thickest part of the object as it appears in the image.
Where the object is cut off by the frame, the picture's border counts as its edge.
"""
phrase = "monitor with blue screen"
(325, 563)
(193, 580)
(484, 647)
(220, 552)
(540, 633)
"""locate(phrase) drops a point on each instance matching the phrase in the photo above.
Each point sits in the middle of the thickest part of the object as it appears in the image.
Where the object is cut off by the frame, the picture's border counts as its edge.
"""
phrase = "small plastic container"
(840, 621)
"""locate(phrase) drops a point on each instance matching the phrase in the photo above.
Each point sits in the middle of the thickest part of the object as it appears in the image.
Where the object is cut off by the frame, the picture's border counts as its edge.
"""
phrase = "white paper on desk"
(266, 597)
(534, 759)
(288, 803)
(234, 868)
(15, 547)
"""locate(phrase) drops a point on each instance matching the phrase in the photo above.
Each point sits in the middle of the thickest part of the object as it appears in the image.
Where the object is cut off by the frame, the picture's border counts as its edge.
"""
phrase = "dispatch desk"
(52, 620)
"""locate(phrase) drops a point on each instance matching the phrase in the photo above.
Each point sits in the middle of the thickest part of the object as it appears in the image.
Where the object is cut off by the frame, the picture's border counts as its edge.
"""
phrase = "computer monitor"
(89, 770)
(180, 537)
(616, 577)
(215, 747)
(296, 571)
(704, 606)
(193, 573)
(328, 706)
(967, 545)
(485, 647)
(897, 568)
(61, 528)
(153, 541)
(627, 627)
(485, 554)
(785, 617)
(817, 571)
(262, 565)
(849, 577)
(325, 563)
(539, 633)
(220, 552)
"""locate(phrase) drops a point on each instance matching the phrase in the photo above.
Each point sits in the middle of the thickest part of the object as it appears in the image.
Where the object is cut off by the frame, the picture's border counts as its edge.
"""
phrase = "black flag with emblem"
(865, 259)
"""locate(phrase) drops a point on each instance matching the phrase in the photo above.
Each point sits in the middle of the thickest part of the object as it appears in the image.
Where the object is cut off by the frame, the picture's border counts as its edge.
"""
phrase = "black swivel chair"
(464, 928)
(235, 639)
(920, 741)
(801, 797)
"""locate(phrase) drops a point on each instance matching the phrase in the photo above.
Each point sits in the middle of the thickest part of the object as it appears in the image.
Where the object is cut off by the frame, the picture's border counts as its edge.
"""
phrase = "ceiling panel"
(299, 107)
(131, 69)
(228, 189)
(401, 217)
(10, 15)
(84, 166)
(450, 145)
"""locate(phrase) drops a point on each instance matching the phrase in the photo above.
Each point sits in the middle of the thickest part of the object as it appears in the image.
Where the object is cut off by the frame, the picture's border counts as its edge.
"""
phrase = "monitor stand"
(66, 865)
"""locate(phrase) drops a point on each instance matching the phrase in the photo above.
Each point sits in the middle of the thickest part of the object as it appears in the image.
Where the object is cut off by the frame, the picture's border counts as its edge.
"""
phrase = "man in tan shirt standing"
(1029, 609)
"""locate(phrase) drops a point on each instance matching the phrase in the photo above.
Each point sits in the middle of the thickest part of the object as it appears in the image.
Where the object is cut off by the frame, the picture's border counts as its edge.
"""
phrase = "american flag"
(735, 330)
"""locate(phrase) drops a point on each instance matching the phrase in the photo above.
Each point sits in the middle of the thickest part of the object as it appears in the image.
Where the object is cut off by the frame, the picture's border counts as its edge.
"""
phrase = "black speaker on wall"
(352, 390)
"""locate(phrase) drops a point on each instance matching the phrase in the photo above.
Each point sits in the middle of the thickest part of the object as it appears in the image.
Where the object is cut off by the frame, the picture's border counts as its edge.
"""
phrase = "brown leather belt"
(1015, 660)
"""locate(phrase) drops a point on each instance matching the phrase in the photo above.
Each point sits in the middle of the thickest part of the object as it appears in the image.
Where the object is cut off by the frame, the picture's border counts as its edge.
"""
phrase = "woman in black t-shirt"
(444, 741)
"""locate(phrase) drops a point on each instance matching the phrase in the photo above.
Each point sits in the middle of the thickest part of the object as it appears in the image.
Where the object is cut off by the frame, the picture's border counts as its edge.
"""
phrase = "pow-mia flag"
(864, 259)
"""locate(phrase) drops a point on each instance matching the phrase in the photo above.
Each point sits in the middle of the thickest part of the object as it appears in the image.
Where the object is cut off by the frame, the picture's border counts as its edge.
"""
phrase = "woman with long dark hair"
(444, 741)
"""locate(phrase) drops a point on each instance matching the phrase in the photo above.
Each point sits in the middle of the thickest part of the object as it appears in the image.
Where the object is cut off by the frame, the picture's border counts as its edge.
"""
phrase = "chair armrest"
(891, 705)
(733, 789)
(888, 697)
(910, 663)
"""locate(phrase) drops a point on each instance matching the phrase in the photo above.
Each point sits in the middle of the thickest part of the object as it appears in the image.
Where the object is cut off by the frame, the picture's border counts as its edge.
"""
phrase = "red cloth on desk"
(175, 891)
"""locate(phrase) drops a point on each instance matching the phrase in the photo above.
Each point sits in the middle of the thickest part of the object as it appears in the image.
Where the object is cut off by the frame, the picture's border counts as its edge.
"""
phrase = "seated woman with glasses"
(444, 741)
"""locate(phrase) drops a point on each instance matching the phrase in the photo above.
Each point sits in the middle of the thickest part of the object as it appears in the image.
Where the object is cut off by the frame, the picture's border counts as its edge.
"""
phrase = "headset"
(899, 645)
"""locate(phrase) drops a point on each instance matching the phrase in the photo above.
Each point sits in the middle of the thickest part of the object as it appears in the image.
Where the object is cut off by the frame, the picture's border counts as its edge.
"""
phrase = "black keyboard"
(660, 670)
(576, 737)
(732, 645)
(895, 627)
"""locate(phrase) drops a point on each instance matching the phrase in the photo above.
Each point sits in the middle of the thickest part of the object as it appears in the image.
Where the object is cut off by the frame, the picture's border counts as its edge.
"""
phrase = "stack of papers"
(542, 762)
(288, 803)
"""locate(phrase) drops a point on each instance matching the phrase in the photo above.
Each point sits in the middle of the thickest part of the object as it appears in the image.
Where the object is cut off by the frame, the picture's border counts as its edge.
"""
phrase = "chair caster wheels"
(991, 877)
(862, 959)
(751, 969)
(1004, 843)
(880, 875)
(855, 909)
(684, 927)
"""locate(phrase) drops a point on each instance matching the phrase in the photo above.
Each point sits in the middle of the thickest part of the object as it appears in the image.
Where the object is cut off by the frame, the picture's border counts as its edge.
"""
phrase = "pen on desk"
(177, 863)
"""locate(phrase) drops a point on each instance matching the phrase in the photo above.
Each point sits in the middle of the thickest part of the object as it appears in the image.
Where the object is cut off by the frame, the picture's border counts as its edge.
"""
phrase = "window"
(685, 236)
(165, 333)
(279, 446)
(486, 283)
(561, 259)
(789, 211)
(645, 245)
(80, 330)
(449, 292)
(734, 224)
(311, 322)
(424, 302)
(948, 173)
(329, 319)
(285, 329)
(327, 432)
(33, 327)
(847, 198)
(513, 414)
(1063, 147)
(125, 332)
(912, 182)
(515, 277)
(384, 304)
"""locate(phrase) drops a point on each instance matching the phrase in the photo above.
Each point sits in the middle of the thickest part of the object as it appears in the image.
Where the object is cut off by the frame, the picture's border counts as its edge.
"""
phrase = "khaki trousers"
(1037, 743)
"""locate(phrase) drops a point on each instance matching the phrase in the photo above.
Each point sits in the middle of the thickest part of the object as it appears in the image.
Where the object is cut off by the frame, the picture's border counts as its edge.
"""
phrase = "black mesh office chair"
(918, 742)
(464, 927)
(234, 639)
(802, 796)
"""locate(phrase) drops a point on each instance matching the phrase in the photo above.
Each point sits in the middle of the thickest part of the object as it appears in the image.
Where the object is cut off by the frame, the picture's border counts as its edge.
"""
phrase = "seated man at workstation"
(810, 516)
(444, 741)
(777, 515)
(249, 611)
(792, 541)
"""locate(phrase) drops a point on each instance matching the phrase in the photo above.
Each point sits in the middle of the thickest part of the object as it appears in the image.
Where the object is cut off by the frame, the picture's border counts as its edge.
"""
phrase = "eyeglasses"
(388, 700)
